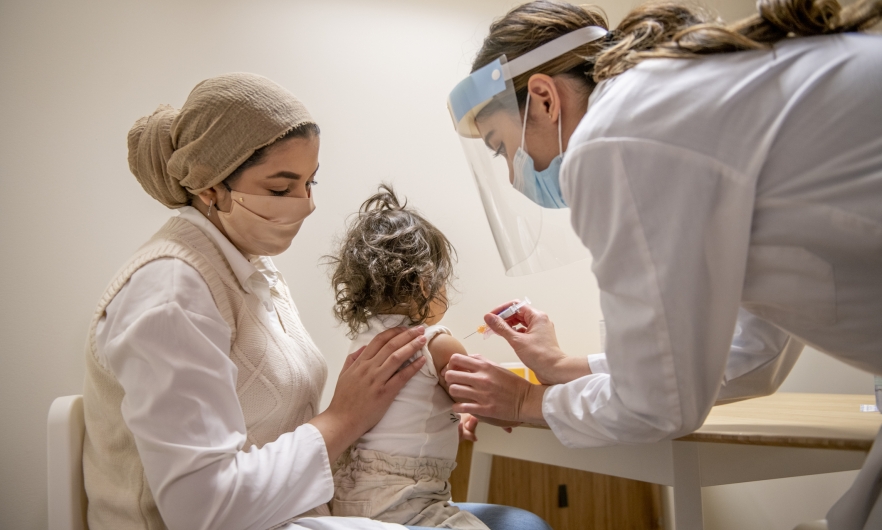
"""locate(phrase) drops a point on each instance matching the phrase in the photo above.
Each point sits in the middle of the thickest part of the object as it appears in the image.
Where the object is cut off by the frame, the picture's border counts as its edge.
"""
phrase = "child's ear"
(423, 288)
(427, 292)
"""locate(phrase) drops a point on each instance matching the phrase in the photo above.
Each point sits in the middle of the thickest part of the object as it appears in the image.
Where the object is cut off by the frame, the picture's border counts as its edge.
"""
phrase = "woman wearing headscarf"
(202, 387)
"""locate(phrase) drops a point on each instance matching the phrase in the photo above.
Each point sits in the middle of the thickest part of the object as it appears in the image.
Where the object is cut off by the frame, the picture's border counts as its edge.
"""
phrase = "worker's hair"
(390, 260)
(659, 29)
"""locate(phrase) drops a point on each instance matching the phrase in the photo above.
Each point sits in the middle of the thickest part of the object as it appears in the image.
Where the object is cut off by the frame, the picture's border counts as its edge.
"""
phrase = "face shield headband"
(470, 96)
(486, 114)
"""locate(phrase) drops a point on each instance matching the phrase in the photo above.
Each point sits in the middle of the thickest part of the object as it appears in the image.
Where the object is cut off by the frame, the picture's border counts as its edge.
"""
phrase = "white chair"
(67, 495)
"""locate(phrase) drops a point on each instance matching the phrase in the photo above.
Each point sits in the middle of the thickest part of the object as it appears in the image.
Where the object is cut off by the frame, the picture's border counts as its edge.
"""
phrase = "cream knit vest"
(279, 383)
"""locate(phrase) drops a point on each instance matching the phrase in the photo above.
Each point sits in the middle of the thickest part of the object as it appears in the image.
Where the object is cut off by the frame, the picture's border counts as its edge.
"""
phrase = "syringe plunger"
(508, 312)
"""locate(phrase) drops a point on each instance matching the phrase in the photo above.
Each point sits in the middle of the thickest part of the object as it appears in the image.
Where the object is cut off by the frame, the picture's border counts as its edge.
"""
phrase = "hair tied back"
(670, 29)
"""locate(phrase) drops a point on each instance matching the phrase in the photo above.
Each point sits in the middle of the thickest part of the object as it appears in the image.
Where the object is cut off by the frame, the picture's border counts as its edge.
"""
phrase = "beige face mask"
(264, 225)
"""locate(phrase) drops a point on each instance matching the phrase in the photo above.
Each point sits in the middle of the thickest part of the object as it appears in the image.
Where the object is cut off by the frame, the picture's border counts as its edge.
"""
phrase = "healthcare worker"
(727, 181)
(202, 388)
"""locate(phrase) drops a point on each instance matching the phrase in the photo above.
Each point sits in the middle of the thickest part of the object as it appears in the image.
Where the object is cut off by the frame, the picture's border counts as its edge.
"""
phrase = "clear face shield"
(490, 123)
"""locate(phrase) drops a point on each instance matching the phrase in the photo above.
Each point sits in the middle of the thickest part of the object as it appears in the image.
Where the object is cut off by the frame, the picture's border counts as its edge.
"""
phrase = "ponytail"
(665, 29)
(673, 30)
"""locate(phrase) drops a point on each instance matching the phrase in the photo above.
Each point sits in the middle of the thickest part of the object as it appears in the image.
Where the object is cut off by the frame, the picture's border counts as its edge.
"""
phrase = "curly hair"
(390, 260)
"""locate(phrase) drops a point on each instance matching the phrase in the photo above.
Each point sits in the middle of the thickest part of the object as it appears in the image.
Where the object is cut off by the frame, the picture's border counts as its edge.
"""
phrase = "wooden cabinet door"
(568, 499)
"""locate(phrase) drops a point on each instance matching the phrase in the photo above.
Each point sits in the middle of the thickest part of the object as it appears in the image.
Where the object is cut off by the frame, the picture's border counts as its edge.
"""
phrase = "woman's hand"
(535, 343)
(369, 381)
(492, 393)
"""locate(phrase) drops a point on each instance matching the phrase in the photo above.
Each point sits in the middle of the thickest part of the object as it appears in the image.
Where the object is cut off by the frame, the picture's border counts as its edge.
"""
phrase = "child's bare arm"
(442, 347)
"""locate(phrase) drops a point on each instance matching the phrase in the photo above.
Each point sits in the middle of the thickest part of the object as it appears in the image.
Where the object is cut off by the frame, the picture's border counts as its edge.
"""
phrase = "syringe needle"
(508, 312)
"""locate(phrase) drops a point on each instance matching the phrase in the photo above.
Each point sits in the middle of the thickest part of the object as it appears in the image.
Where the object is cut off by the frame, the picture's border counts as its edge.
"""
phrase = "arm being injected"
(487, 390)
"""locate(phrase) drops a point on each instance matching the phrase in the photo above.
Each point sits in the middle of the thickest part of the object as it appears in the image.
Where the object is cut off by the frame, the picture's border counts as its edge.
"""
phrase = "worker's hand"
(369, 381)
(468, 423)
(531, 334)
(492, 393)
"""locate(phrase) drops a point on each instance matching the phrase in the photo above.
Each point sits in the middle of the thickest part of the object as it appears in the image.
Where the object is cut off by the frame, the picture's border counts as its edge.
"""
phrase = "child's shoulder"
(442, 345)
(437, 330)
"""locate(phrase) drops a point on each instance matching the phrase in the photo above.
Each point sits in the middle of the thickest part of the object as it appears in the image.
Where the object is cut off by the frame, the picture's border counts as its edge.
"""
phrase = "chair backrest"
(67, 495)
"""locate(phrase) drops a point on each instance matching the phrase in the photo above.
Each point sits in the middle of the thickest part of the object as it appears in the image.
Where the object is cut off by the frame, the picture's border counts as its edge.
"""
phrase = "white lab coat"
(732, 193)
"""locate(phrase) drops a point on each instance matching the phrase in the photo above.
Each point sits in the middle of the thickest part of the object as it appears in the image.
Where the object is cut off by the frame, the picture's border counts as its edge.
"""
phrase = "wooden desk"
(783, 435)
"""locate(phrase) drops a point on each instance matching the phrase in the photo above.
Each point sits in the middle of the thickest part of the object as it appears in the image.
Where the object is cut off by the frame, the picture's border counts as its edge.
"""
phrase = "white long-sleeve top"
(732, 208)
(760, 358)
(183, 410)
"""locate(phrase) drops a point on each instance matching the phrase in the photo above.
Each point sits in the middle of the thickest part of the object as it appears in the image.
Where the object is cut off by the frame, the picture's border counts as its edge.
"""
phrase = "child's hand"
(467, 426)
(506, 425)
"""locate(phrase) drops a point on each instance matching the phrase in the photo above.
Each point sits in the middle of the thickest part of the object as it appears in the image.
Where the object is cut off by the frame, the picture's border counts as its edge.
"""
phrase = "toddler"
(391, 269)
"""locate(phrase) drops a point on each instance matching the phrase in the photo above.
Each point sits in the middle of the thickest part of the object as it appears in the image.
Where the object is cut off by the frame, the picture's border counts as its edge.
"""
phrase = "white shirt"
(183, 410)
(420, 423)
(735, 194)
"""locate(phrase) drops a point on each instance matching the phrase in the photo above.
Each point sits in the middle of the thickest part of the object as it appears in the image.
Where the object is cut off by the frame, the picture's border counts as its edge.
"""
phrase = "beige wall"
(75, 75)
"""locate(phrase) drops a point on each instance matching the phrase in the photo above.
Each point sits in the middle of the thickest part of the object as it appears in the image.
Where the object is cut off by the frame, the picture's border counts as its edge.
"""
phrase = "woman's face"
(287, 170)
(502, 132)
(551, 100)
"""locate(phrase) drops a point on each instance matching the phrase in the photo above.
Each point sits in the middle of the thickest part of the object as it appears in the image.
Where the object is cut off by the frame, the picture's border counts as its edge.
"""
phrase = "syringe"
(506, 313)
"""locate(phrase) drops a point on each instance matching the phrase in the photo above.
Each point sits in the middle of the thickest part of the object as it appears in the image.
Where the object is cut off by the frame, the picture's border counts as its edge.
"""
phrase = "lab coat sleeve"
(668, 230)
(172, 360)
(597, 363)
(760, 358)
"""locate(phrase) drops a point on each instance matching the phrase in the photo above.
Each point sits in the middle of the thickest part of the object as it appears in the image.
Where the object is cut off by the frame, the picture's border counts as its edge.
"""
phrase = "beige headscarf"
(176, 154)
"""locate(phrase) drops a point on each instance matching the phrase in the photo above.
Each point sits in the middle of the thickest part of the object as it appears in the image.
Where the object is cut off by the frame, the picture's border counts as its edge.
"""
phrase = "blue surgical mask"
(541, 187)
